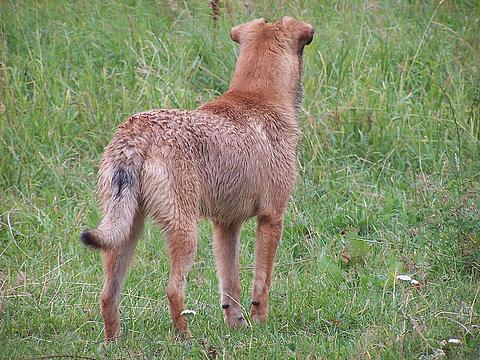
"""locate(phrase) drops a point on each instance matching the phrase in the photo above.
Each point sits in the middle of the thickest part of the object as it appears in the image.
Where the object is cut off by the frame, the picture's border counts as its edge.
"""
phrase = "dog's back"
(228, 162)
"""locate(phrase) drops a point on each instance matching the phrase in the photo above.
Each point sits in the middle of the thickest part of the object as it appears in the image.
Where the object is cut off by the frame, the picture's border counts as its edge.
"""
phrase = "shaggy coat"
(231, 159)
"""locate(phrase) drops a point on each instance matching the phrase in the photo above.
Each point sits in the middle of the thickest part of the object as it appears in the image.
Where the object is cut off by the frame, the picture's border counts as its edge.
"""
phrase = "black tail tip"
(90, 240)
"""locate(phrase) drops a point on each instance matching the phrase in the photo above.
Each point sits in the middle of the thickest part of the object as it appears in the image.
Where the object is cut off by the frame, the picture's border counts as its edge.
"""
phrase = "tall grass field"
(388, 186)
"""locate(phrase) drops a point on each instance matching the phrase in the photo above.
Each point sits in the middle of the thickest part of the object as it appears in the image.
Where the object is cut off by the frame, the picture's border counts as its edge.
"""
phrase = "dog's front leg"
(226, 242)
(269, 232)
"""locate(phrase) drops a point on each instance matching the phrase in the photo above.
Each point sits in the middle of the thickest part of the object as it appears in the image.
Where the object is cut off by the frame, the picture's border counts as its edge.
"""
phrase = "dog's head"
(287, 34)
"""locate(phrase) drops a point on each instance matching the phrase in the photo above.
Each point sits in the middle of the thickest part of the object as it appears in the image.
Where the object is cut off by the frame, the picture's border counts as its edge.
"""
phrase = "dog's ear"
(306, 34)
(237, 33)
(302, 31)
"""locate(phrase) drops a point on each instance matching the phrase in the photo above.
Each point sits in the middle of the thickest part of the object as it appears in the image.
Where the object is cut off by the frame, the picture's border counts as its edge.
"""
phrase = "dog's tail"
(119, 189)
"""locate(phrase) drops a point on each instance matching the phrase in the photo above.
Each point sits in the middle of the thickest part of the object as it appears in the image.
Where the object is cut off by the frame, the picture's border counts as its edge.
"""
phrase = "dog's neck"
(270, 76)
(265, 85)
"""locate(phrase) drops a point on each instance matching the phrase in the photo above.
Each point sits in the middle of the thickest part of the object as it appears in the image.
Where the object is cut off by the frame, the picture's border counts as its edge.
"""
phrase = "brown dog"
(229, 160)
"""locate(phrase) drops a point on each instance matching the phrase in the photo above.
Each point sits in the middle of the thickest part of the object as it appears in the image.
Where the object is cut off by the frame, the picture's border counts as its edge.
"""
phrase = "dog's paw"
(259, 313)
(237, 322)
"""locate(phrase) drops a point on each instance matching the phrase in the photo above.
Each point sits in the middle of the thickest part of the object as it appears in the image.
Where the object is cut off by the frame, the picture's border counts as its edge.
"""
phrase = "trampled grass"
(389, 179)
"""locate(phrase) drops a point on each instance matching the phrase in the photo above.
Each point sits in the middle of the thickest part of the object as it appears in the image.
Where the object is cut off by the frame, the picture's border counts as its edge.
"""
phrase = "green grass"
(389, 179)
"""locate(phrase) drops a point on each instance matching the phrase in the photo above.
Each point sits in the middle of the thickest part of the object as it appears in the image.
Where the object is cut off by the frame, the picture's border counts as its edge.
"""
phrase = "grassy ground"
(389, 179)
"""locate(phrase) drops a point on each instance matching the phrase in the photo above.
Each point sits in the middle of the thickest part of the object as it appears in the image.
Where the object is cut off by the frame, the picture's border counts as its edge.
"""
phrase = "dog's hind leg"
(182, 246)
(115, 264)
(170, 197)
(226, 240)
(269, 232)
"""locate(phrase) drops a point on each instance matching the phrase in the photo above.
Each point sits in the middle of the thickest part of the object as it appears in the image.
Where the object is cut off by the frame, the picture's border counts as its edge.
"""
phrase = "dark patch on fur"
(225, 306)
(90, 240)
(298, 94)
(121, 179)
(255, 303)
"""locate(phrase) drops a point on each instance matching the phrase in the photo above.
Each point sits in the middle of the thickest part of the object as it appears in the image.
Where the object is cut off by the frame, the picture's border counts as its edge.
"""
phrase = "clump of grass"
(388, 185)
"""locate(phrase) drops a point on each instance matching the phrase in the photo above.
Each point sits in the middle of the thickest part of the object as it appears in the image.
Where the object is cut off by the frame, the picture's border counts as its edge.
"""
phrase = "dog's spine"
(119, 188)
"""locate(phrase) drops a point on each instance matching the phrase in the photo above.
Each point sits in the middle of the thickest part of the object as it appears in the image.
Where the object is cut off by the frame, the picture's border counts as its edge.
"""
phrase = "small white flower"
(407, 278)
(454, 341)
(188, 312)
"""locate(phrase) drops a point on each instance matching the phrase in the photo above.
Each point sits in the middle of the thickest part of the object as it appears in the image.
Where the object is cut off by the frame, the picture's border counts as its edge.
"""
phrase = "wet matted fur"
(229, 160)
